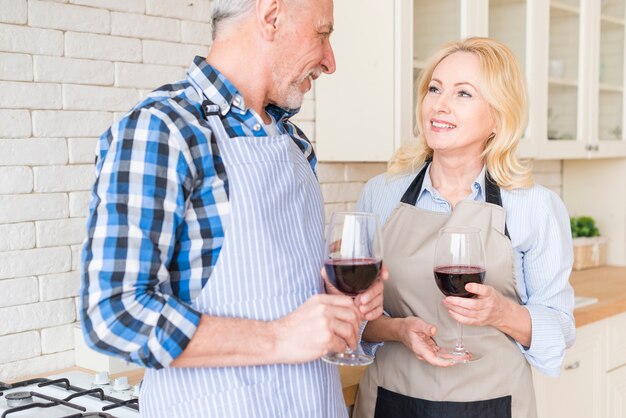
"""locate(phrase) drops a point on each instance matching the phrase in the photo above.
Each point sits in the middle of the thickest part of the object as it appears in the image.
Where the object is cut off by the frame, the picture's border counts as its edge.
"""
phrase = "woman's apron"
(269, 265)
(399, 385)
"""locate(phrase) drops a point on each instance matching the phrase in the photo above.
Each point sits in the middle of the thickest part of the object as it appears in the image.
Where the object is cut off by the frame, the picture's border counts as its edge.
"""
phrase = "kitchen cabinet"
(581, 379)
(616, 392)
(593, 374)
(616, 366)
(575, 80)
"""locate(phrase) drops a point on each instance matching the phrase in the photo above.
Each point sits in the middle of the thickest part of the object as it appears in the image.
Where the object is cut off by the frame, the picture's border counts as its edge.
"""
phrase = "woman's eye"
(433, 89)
(463, 93)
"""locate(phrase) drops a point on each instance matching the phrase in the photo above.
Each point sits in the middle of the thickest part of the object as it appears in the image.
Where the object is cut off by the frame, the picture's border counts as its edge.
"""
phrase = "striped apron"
(269, 265)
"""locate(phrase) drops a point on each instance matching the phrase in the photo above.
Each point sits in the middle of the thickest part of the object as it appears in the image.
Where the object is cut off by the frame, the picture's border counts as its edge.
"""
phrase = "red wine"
(353, 275)
(451, 280)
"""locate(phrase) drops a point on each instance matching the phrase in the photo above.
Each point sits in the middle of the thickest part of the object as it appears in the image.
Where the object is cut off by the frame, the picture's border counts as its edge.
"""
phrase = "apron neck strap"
(210, 109)
(492, 191)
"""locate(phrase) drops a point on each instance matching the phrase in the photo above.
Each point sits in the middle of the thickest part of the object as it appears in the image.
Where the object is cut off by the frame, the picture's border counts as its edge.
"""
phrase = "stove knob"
(136, 391)
(121, 383)
(101, 378)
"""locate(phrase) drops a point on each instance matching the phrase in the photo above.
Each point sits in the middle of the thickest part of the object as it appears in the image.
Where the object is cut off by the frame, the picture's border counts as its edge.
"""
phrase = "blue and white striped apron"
(269, 266)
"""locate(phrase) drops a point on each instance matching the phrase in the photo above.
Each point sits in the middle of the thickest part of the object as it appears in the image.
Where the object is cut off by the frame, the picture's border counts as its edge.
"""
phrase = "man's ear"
(269, 15)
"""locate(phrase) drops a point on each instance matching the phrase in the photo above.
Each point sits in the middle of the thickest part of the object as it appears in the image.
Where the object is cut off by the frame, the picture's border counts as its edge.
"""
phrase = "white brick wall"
(17, 67)
(67, 69)
(13, 11)
(14, 123)
(19, 291)
(16, 180)
(57, 339)
(19, 346)
(17, 236)
(59, 286)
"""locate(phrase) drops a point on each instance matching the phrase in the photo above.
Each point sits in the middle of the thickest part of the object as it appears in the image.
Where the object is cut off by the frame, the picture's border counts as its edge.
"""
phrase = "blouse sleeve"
(546, 267)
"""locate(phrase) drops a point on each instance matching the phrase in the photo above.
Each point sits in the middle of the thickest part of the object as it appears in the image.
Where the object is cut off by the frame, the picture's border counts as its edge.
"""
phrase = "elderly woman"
(463, 172)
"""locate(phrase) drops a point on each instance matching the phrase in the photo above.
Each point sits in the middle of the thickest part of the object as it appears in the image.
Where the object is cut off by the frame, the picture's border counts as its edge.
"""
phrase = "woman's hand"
(417, 335)
(487, 308)
(490, 307)
(370, 302)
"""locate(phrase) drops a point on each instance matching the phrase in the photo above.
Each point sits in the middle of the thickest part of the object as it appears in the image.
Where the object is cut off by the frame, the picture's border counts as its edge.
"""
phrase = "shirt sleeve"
(127, 307)
(546, 268)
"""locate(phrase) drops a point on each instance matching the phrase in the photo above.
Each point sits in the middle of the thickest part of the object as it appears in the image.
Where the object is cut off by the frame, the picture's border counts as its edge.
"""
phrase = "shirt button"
(256, 127)
(224, 106)
(237, 101)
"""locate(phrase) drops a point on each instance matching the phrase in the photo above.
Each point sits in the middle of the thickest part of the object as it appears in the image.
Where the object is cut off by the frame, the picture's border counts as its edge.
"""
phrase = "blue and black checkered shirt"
(157, 216)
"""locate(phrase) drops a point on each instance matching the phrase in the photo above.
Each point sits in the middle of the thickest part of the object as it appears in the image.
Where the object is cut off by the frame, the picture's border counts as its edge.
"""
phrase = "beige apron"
(397, 384)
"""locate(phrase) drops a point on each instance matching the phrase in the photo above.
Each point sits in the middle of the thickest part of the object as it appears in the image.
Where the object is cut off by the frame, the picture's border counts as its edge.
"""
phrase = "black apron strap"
(492, 195)
(492, 191)
(410, 196)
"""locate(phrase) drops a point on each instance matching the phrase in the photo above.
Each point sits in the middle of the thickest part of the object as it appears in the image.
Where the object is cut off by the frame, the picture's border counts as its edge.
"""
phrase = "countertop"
(608, 284)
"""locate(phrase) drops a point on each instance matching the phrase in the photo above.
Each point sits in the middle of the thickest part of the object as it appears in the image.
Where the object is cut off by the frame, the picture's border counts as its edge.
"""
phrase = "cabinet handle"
(573, 366)
(592, 147)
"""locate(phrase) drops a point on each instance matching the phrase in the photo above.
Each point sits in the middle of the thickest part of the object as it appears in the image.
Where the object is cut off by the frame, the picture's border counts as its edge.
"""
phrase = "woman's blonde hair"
(504, 89)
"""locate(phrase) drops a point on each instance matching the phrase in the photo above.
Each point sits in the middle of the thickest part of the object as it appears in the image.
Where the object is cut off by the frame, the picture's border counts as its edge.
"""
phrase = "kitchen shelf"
(611, 88)
(564, 7)
(563, 82)
(418, 64)
(612, 20)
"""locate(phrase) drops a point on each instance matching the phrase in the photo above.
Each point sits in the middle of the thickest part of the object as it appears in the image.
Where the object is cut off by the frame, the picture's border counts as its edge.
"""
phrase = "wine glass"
(352, 261)
(459, 259)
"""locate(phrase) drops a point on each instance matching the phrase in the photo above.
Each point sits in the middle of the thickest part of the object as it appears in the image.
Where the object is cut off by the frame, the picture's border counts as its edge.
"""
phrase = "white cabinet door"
(354, 108)
(579, 391)
(616, 341)
(616, 392)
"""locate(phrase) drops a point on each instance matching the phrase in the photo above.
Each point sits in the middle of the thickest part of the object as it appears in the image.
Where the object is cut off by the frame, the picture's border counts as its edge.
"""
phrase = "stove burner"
(18, 399)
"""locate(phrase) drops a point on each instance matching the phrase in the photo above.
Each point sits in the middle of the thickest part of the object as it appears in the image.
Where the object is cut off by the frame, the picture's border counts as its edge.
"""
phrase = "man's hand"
(322, 324)
(370, 302)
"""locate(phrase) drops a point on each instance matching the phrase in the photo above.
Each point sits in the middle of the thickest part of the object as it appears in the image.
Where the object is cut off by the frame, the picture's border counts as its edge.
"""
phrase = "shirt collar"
(219, 90)
(478, 185)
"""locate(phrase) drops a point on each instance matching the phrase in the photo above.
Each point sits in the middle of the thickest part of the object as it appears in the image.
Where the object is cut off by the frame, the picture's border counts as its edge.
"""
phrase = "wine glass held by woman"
(459, 260)
(471, 110)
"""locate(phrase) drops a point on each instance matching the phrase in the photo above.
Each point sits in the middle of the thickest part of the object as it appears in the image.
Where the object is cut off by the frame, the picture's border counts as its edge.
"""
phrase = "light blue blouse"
(539, 226)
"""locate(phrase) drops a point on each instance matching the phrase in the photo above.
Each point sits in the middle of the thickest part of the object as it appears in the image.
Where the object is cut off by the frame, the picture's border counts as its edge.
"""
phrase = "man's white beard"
(290, 97)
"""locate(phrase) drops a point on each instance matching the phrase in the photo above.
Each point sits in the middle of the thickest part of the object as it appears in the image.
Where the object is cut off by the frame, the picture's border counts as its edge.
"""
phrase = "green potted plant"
(589, 246)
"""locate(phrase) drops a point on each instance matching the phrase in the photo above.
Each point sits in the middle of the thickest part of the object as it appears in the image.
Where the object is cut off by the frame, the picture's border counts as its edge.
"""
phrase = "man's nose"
(328, 62)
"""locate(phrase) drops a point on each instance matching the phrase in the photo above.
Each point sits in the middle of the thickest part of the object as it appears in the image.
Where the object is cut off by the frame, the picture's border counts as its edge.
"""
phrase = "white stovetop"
(78, 379)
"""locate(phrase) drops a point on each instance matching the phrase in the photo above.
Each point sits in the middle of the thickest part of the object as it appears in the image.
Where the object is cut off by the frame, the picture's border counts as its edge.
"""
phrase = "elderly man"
(205, 235)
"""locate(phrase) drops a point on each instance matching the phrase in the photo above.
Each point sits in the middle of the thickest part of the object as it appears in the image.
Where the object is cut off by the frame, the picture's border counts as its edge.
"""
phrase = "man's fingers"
(384, 273)
(375, 290)
(346, 333)
(477, 289)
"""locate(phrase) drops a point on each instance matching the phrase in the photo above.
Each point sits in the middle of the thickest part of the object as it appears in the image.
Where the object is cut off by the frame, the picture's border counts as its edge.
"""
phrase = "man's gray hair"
(224, 10)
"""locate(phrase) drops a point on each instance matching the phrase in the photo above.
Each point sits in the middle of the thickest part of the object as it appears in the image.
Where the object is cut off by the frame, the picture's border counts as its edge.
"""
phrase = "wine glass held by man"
(352, 261)
(463, 172)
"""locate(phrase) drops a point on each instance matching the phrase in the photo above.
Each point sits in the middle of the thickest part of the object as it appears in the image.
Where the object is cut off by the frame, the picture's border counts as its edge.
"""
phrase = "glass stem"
(459, 347)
